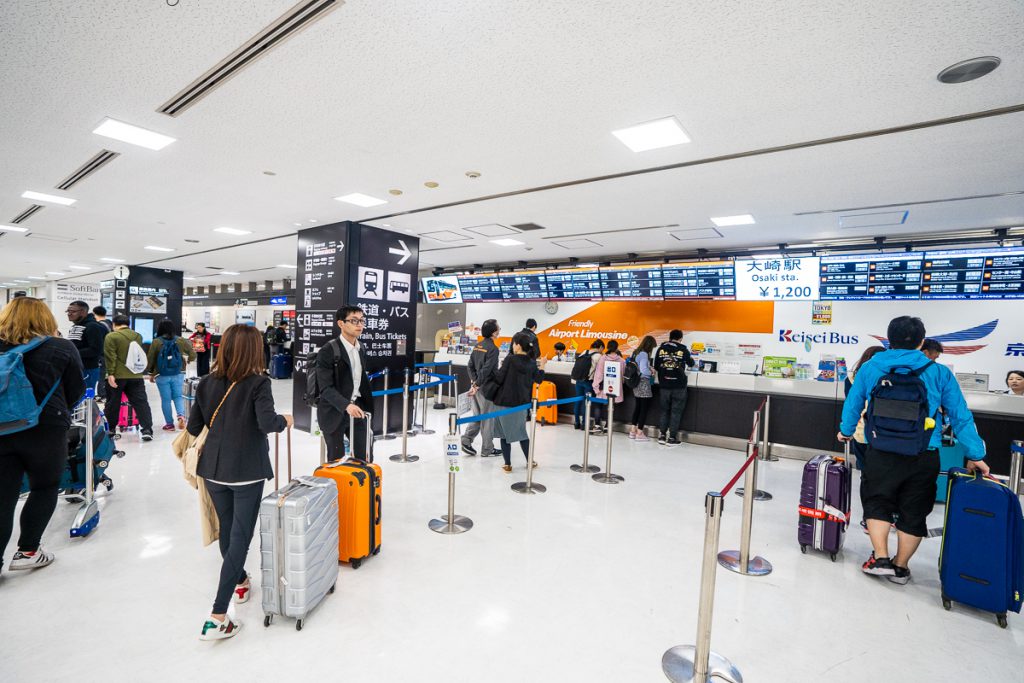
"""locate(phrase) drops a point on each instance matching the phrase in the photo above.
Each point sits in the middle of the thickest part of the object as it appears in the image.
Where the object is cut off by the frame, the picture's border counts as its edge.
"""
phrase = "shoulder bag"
(195, 450)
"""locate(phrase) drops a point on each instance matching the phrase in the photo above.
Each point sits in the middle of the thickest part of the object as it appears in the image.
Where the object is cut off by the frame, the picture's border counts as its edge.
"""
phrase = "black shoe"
(492, 454)
(902, 575)
(578, 426)
(147, 434)
(880, 566)
(468, 450)
(662, 438)
(673, 441)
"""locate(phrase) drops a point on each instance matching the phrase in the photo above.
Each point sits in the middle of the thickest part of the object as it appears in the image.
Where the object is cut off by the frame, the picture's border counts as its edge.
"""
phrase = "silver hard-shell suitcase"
(298, 547)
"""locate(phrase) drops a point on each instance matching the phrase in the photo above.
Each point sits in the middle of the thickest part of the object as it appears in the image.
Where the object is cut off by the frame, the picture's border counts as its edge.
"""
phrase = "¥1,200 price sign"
(777, 279)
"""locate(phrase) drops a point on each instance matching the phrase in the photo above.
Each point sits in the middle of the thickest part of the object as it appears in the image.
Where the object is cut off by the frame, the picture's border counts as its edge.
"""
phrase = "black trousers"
(42, 454)
(673, 403)
(203, 363)
(135, 390)
(640, 408)
(336, 441)
(238, 509)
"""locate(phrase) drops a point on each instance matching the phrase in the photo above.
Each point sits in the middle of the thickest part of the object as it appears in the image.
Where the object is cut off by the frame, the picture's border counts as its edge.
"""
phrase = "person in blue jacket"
(901, 485)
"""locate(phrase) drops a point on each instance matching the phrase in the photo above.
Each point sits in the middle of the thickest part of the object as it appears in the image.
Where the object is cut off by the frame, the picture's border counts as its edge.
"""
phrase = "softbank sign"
(817, 337)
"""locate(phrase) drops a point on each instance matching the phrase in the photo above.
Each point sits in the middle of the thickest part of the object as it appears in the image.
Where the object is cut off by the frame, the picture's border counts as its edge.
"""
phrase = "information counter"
(803, 418)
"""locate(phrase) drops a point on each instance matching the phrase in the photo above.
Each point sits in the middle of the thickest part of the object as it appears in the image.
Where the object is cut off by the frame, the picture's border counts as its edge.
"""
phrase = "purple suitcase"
(824, 504)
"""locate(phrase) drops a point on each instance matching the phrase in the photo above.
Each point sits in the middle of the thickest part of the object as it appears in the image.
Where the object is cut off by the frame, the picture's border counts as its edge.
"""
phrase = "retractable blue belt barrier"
(432, 365)
(559, 401)
(595, 399)
(389, 392)
(496, 413)
(377, 374)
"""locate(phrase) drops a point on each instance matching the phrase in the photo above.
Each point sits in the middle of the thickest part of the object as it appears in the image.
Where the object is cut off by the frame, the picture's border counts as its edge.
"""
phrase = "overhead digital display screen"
(871, 276)
(574, 284)
(480, 288)
(699, 280)
(639, 283)
(524, 285)
(781, 278)
(439, 290)
(973, 274)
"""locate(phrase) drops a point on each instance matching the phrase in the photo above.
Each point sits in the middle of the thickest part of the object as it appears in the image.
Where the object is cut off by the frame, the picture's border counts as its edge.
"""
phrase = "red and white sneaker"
(219, 630)
(242, 591)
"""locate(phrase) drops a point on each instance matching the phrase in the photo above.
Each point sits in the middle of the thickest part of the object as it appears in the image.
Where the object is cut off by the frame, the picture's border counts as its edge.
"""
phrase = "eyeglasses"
(356, 321)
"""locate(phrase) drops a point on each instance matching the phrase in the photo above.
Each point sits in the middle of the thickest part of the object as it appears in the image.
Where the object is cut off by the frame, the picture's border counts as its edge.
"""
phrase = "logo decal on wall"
(817, 337)
(1015, 349)
(970, 334)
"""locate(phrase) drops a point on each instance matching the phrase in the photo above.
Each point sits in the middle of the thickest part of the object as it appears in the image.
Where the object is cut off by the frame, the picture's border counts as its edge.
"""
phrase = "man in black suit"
(344, 385)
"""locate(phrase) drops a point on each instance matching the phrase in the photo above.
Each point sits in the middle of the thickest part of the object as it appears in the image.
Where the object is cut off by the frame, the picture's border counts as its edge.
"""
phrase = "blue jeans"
(92, 377)
(170, 395)
(583, 387)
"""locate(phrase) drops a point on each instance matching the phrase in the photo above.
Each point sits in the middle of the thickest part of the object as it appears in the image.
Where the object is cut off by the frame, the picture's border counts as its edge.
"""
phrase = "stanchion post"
(424, 379)
(756, 438)
(528, 487)
(607, 477)
(697, 663)
(739, 561)
(404, 455)
(1016, 458)
(439, 397)
(451, 523)
(387, 397)
(766, 444)
(586, 467)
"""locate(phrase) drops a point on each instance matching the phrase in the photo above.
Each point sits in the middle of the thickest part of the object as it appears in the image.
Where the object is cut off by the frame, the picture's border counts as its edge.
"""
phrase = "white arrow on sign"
(403, 252)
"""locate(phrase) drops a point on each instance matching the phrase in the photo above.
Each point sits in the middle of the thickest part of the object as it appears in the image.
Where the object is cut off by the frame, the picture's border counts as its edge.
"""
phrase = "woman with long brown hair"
(235, 404)
(37, 445)
(642, 393)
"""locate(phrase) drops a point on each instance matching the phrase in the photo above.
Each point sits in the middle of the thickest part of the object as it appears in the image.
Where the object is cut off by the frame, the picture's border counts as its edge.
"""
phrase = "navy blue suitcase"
(281, 366)
(982, 558)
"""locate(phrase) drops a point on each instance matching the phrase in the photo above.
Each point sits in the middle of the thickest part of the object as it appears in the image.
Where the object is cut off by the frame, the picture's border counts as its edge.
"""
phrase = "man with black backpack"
(483, 363)
(905, 392)
(670, 361)
(583, 377)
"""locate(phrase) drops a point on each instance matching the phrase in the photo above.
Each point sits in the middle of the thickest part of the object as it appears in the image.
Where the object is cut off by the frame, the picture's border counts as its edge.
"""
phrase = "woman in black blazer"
(236, 405)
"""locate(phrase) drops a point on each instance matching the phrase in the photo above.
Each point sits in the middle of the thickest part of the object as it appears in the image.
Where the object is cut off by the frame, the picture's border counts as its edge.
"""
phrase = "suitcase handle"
(277, 456)
(368, 416)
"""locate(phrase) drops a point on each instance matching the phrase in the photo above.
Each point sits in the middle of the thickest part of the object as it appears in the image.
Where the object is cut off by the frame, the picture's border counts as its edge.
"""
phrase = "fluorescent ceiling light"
(33, 277)
(12, 228)
(232, 231)
(187, 278)
(152, 248)
(22, 282)
(133, 135)
(285, 265)
(10, 284)
(53, 272)
(229, 272)
(727, 221)
(664, 132)
(80, 267)
(507, 242)
(52, 199)
(109, 259)
(360, 199)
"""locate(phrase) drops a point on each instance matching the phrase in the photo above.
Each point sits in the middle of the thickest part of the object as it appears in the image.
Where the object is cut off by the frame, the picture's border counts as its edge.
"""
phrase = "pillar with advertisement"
(350, 263)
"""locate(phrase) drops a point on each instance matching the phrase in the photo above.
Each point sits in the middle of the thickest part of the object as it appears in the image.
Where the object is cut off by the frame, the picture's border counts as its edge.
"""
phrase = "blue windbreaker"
(943, 391)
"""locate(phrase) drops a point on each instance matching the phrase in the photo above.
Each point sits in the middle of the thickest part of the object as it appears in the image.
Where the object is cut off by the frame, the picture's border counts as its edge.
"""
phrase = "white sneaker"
(242, 592)
(219, 630)
(40, 558)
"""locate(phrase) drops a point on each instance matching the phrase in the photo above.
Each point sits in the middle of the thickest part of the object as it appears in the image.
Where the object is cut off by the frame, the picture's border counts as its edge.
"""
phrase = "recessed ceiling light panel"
(360, 199)
(664, 132)
(232, 231)
(286, 265)
(110, 259)
(52, 199)
(229, 272)
(12, 228)
(133, 135)
(80, 267)
(153, 248)
(508, 242)
(729, 221)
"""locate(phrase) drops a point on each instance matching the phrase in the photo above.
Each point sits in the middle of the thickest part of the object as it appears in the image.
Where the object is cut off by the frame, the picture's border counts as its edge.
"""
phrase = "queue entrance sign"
(612, 379)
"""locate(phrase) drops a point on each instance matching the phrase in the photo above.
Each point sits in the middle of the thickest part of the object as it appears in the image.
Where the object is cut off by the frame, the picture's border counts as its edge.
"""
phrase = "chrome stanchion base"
(608, 478)
(439, 406)
(756, 566)
(384, 437)
(426, 431)
(589, 469)
(677, 663)
(529, 489)
(397, 457)
(459, 525)
(758, 494)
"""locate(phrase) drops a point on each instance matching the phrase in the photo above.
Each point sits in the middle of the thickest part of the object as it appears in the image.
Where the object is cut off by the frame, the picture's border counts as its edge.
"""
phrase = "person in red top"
(201, 344)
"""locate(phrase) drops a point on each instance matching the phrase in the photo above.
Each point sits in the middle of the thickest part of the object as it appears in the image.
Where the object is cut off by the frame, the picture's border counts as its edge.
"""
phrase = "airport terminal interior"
(746, 200)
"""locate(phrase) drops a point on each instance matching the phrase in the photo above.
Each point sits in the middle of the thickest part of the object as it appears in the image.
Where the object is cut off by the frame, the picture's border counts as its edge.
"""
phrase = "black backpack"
(581, 368)
(313, 388)
(631, 375)
(895, 418)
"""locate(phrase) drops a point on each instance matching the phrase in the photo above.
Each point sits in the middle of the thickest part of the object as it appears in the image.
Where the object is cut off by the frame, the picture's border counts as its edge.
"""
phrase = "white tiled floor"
(587, 582)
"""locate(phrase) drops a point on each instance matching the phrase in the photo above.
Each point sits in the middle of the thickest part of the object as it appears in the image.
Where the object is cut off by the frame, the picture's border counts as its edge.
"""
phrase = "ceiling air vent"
(87, 169)
(291, 22)
(50, 238)
(526, 227)
(26, 214)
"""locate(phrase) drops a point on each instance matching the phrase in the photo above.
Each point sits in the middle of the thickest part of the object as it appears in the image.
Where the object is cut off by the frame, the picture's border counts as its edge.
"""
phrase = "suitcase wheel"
(267, 619)
(298, 624)
(376, 551)
(833, 556)
(1001, 620)
(356, 563)
(108, 483)
(947, 604)
(803, 548)
(119, 454)
(333, 585)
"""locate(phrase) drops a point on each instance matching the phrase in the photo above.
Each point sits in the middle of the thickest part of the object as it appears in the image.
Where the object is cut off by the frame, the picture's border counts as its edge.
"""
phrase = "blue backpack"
(168, 361)
(895, 419)
(18, 408)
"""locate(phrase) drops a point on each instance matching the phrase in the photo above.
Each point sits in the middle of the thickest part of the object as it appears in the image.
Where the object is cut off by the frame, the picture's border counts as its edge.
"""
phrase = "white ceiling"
(383, 94)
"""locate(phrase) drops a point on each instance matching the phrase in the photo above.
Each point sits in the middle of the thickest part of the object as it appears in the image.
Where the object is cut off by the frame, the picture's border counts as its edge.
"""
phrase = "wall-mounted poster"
(147, 300)
(779, 366)
(821, 313)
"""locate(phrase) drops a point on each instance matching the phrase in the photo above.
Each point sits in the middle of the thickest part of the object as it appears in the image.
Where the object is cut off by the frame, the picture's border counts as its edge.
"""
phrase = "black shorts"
(900, 485)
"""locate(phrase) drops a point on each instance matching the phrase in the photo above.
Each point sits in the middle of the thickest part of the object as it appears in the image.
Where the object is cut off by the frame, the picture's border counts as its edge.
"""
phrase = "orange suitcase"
(359, 506)
(545, 391)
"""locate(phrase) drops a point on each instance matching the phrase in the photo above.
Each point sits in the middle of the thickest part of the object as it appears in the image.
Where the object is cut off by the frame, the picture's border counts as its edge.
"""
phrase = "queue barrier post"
(1016, 459)
(439, 403)
(697, 663)
(424, 379)
(404, 455)
(766, 444)
(758, 436)
(607, 477)
(451, 523)
(88, 515)
(586, 467)
(385, 435)
(740, 561)
(528, 487)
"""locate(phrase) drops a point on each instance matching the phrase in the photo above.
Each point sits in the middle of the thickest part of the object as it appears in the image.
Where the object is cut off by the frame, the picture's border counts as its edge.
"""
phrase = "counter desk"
(802, 421)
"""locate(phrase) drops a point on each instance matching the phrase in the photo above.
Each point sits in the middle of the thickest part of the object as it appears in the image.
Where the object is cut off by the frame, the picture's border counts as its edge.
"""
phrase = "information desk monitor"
(996, 273)
(574, 284)
(871, 276)
(699, 280)
(636, 283)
